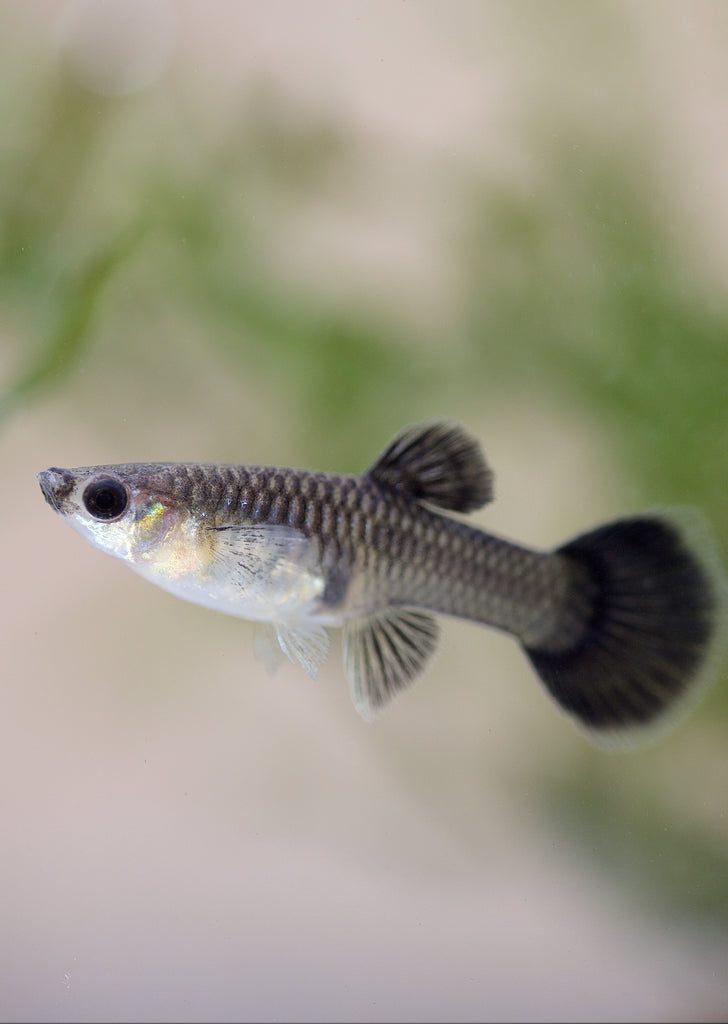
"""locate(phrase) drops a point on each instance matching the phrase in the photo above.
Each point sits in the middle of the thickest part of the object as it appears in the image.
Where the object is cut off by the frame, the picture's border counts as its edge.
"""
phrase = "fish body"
(620, 624)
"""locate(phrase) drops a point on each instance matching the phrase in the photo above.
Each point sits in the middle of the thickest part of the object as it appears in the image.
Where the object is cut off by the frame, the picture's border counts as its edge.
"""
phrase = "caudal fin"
(655, 631)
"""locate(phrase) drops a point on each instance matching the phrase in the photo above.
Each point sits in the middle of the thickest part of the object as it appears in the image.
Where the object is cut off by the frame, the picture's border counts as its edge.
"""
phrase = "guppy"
(622, 624)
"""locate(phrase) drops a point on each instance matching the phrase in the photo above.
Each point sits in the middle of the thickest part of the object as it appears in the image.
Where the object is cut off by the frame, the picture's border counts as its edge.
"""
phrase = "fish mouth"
(56, 485)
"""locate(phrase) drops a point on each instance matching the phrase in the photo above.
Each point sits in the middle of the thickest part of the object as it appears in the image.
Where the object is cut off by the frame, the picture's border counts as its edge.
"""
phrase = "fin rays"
(384, 653)
(439, 463)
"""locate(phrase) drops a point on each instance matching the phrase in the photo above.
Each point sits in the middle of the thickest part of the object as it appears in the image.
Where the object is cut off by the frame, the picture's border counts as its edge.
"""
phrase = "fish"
(623, 624)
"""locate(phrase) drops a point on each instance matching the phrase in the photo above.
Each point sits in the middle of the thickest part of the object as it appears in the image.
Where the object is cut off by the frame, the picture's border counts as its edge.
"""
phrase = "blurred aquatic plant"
(70, 321)
(596, 302)
(670, 862)
(53, 269)
(83, 207)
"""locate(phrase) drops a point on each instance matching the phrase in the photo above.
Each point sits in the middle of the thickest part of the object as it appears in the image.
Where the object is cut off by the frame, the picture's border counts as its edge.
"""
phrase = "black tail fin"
(655, 631)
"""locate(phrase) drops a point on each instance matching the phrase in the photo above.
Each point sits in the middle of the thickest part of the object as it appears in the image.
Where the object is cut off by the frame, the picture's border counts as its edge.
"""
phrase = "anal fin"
(384, 653)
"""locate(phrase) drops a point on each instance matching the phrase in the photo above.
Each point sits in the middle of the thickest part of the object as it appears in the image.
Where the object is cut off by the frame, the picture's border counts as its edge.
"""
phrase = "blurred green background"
(277, 234)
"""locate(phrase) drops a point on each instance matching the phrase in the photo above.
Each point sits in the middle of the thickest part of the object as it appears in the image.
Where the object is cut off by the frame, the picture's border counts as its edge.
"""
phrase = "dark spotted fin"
(655, 633)
(437, 463)
(384, 653)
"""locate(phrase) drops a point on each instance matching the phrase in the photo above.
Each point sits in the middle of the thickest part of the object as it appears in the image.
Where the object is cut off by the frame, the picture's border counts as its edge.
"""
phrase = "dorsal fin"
(439, 463)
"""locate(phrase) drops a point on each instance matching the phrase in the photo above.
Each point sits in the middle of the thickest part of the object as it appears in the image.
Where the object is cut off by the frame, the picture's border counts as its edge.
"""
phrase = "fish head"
(121, 511)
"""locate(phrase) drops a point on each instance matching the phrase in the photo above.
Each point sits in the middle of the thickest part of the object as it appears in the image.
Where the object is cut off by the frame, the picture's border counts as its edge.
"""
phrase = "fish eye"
(106, 498)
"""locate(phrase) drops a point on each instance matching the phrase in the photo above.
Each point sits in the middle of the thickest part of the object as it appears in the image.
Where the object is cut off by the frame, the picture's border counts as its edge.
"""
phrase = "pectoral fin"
(265, 573)
(384, 653)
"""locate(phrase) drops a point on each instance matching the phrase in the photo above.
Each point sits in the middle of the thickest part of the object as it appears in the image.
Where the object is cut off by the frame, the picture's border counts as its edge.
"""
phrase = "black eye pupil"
(105, 499)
